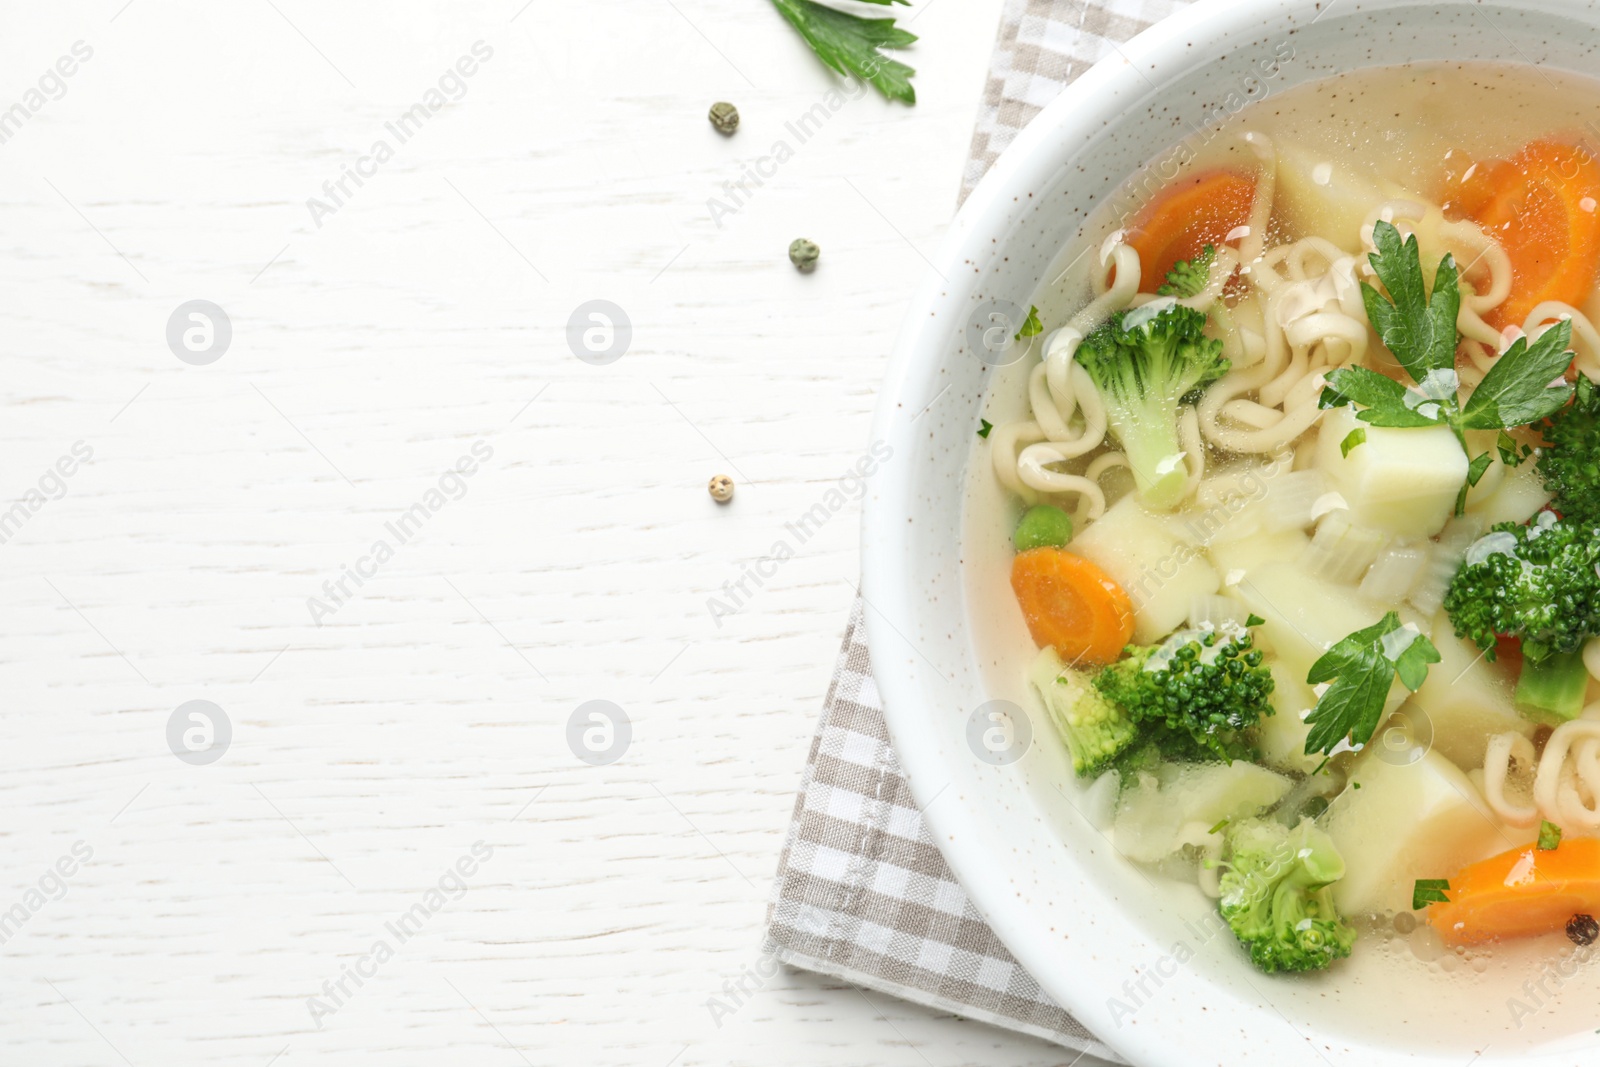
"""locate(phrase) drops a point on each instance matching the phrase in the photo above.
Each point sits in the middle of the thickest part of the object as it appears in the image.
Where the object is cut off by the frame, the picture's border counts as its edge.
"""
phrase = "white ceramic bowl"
(1130, 958)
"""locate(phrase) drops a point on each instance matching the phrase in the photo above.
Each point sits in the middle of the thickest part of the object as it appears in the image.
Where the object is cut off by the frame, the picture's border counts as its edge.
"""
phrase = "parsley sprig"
(850, 44)
(1524, 385)
(1362, 669)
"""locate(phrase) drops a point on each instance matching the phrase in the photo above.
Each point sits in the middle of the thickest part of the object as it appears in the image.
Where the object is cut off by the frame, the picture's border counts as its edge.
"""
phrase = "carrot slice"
(1541, 205)
(1072, 605)
(1476, 188)
(1195, 211)
(1521, 893)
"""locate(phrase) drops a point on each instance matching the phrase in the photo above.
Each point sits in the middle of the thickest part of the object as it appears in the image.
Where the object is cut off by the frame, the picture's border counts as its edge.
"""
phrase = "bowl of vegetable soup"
(1234, 585)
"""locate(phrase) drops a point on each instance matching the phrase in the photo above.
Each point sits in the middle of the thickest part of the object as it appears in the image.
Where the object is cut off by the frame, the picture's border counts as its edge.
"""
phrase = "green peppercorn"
(803, 254)
(724, 116)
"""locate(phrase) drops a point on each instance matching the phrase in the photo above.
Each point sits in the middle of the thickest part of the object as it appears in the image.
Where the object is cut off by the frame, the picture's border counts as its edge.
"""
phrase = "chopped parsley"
(1429, 891)
(1031, 326)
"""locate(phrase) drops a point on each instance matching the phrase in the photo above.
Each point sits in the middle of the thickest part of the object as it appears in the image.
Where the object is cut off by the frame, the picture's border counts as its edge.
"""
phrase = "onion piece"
(1393, 574)
(1342, 551)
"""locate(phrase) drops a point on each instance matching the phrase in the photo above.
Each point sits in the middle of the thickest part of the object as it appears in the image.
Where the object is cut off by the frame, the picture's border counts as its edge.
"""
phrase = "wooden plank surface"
(412, 729)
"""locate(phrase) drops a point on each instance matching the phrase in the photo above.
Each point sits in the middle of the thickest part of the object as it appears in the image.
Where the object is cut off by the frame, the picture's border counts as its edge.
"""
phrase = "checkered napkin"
(862, 892)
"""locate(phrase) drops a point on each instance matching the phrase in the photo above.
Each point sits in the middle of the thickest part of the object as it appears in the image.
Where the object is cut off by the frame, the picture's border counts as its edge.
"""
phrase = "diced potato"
(1466, 699)
(1406, 821)
(1158, 571)
(1317, 195)
(1177, 804)
(1401, 481)
(1282, 735)
(1515, 498)
(1305, 616)
(1229, 504)
(1233, 558)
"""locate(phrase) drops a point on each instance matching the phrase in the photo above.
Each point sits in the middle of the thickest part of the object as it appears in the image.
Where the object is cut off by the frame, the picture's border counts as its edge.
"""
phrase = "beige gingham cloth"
(862, 893)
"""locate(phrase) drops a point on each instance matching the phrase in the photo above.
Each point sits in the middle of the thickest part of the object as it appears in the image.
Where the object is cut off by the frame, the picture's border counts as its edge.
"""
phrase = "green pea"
(1042, 526)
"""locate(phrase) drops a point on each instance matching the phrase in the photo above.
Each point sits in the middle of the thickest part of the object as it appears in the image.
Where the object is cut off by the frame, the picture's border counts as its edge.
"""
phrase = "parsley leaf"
(850, 44)
(984, 427)
(1362, 669)
(1429, 891)
(1419, 330)
(1385, 401)
(1031, 326)
(1525, 384)
(1549, 836)
(1354, 439)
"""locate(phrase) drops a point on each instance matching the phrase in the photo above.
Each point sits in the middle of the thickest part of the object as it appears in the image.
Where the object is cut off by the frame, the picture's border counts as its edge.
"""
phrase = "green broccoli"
(1552, 691)
(1537, 582)
(1146, 363)
(1195, 694)
(1095, 731)
(1189, 277)
(1569, 463)
(1276, 895)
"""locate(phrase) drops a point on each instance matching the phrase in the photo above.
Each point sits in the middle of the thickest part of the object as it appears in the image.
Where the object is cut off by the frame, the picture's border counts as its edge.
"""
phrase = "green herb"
(984, 426)
(1031, 326)
(1189, 277)
(850, 44)
(1475, 473)
(1524, 385)
(1429, 891)
(1511, 454)
(1255, 620)
(1355, 437)
(1549, 836)
(1219, 826)
(1361, 669)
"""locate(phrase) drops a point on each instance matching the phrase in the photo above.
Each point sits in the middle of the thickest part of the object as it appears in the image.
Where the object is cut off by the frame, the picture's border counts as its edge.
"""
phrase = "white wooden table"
(375, 342)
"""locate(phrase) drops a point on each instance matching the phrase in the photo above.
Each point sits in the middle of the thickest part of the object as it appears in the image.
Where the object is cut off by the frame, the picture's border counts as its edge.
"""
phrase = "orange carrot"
(1543, 206)
(1071, 605)
(1521, 893)
(1197, 210)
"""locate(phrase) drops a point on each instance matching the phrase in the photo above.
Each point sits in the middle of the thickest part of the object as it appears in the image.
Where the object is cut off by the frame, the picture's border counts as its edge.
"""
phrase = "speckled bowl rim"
(893, 588)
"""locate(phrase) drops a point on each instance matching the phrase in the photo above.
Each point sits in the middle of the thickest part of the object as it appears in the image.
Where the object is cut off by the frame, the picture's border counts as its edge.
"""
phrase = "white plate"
(1145, 965)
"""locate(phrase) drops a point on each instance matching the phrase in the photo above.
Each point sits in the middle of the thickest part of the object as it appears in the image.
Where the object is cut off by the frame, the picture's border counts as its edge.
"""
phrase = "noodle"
(1552, 311)
(1504, 751)
(1566, 783)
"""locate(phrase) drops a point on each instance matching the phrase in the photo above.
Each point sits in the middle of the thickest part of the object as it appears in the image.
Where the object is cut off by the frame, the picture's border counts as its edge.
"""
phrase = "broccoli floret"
(1276, 895)
(1146, 363)
(1194, 694)
(1537, 582)
(1570, 461)
(1189, 277)
(1096, 731)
